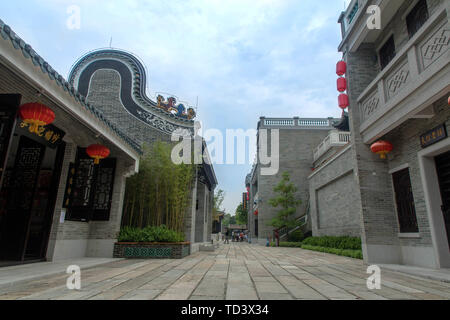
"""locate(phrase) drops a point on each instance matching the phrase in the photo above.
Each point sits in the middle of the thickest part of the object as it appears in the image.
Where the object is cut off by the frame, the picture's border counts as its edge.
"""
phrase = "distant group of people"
(236, 236)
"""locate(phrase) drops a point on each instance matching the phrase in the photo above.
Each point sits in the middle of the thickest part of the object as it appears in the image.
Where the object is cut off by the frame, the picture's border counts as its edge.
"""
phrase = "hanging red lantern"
(341, 68)
(36, 115)
(256, 212)
(97, 152)
(341, 84)
(343, 101)
(382, 148)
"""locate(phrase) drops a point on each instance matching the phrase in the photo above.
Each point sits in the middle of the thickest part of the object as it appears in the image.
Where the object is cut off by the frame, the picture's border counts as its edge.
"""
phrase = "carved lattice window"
(91, 191)
(104, 189)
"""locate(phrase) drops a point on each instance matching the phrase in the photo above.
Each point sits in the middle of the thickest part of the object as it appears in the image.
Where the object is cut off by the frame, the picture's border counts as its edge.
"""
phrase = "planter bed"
(151, 250)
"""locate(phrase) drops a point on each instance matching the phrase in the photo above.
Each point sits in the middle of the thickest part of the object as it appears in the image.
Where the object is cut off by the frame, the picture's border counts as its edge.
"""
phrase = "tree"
(285, 199)
(241, 215)
(219, 196)
(228, 219)
(160, 193)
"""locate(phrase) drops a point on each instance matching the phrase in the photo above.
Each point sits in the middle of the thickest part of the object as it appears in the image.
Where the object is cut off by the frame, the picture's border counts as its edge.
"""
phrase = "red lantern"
(97, 152)
(382, 148)
(256, 212)
(341, 84)
(36, 115)
(343, 101)
(341, 68)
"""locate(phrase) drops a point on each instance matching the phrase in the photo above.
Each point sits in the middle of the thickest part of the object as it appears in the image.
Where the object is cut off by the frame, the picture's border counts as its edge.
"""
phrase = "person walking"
(227, 234)
(277, 237)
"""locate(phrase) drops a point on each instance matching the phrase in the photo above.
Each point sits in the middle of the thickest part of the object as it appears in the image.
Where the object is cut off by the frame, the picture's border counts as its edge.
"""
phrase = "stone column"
(190, 216)
(200, 213)
(209, 215)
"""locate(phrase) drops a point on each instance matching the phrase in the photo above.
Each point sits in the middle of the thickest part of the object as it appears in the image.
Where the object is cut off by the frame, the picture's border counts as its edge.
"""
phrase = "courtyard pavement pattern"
(237, 271)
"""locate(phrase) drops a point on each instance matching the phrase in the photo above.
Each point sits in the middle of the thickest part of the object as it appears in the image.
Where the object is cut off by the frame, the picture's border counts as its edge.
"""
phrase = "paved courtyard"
(232, 272)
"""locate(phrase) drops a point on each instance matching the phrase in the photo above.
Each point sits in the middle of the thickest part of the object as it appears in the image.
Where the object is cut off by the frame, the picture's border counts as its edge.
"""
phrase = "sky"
(240, 59)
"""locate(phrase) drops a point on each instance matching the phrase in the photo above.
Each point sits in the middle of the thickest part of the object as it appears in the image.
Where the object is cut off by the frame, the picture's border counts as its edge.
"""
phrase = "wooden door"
(443, 171)
(16, 223)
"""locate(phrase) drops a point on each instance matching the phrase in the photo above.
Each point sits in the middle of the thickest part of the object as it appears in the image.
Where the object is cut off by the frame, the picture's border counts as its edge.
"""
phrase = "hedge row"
(287, 244)
(334, 242)
(357, 254)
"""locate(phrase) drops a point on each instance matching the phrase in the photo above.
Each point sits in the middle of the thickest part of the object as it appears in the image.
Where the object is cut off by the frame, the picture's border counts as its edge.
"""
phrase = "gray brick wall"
(296, 157)
(333, 191)
(376, 206)
(406, 141)
(104, 93)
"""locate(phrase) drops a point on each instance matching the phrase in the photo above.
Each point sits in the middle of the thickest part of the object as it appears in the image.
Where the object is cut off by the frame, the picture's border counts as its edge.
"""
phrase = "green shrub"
(150, 234)
(296, 236)
(291, 244)
(356, 254)
(334, 242)
(287, 244)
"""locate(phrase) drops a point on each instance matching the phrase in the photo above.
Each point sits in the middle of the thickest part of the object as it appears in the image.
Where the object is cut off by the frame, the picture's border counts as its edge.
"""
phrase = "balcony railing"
(279, 122)
(314, 122)
(334, 139)
(298, 122)
(415, 65)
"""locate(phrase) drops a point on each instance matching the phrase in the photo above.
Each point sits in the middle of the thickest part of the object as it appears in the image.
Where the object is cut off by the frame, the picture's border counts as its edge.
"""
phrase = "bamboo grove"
(160, 193)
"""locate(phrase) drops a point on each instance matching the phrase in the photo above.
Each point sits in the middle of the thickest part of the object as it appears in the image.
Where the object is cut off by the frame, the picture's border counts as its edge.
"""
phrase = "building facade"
(55, 201)
(115, 82)
(398, 86)
(298, 138)
(332, 186)
(47, 178)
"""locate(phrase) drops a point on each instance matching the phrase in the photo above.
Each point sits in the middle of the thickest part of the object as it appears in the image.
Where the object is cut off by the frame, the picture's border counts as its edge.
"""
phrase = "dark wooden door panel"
(16, 224)
(443, 171)
(9, 104)
(404, 198)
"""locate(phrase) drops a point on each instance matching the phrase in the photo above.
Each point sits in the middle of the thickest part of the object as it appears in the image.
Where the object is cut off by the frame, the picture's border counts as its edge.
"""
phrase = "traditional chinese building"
(56, 202)
(398, 84)
(383, 172)
(298, 139)
(115, 82)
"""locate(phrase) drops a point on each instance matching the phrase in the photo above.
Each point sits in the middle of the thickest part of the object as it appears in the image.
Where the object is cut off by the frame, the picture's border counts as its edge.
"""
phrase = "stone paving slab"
(235, 271)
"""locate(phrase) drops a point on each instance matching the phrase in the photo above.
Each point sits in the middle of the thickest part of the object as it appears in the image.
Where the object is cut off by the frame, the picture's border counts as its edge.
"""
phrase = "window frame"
(388, 38)
(413, 7)
(87, 213)
(403, 232)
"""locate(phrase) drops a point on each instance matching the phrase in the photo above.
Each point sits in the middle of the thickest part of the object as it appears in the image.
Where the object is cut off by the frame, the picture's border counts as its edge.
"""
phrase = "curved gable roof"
(132, 91)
